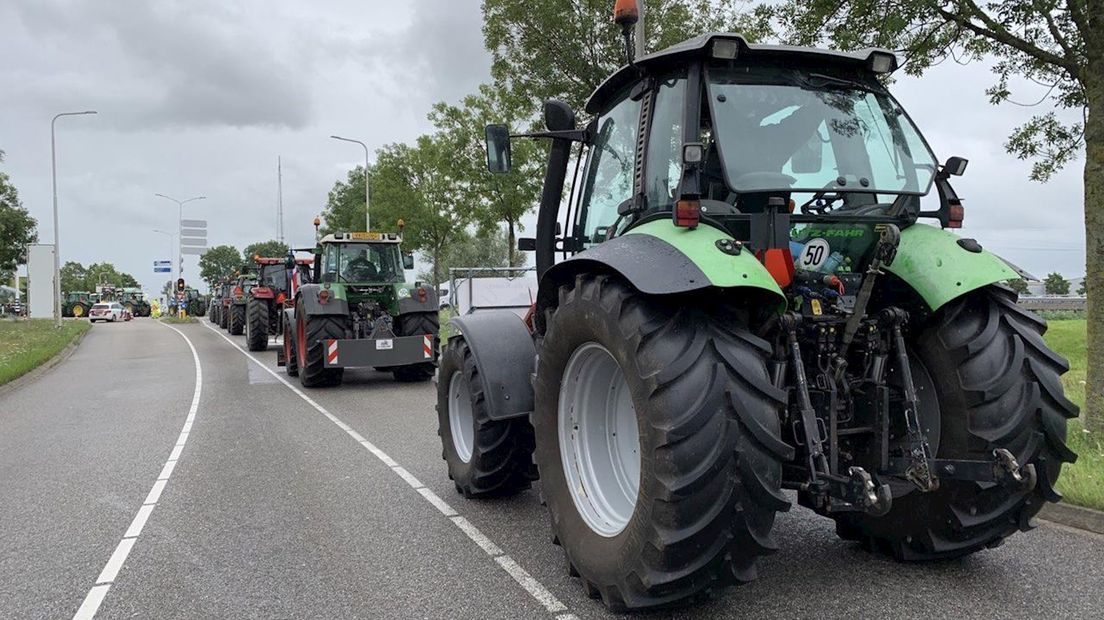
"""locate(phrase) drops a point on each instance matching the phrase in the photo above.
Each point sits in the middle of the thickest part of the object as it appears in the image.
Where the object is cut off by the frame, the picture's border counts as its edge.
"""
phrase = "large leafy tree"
(17, 228)
(77, 277)
(565, 48)
(1055, 284)
(74, 277)
(270, 248)
(345, 205)
(1056, 45)
(219, 262)
(485, 248)
(407, 184)
(493, 199)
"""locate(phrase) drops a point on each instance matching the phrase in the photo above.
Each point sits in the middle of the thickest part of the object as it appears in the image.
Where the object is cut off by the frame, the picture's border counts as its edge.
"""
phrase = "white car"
(111, 311)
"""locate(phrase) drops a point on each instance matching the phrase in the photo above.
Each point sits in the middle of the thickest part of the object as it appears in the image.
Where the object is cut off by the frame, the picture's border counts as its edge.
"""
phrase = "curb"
(45, 367)
(1074, 516)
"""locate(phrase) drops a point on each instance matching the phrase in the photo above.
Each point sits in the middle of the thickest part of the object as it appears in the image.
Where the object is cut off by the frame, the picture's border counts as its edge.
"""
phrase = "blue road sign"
(162, 263)
(162, 269)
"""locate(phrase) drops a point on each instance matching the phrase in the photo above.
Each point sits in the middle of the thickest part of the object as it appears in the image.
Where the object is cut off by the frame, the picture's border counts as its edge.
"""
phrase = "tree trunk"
(436, 269)
(1093, 415)
(511, 244)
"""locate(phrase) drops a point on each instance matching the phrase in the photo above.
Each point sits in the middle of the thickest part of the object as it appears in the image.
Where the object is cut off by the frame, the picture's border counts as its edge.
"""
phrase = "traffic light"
(180, 284)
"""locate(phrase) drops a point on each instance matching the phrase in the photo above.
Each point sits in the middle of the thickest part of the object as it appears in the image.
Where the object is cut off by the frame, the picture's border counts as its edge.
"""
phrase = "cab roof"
(699, 46)
(361, 237)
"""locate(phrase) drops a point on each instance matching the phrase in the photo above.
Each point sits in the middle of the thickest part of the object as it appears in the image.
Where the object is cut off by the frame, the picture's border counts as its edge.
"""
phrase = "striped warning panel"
(331, 351)
(427, 346)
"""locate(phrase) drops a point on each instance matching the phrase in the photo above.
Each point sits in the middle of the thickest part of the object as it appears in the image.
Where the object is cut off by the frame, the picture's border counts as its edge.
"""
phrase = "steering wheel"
(823, 199)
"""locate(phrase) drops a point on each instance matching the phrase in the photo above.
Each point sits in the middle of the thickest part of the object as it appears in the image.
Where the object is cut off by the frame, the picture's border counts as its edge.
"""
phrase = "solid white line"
(92, 602)
(532, 586)
(139, 521)
(115, 562)
(155, 493)
(524, 579)
(96, 595)
(355, 435)
(409, 477)
(437, 502)
(477, 537)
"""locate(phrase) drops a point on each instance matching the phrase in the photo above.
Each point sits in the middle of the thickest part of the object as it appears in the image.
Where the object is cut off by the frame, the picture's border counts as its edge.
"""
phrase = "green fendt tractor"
(235, 299)
(134, 299)
(195, 302)
(78, 303)
(359, 312)
(753, 300)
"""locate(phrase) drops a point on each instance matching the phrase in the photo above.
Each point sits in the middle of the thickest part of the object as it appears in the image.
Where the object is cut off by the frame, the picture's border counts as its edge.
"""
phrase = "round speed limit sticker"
(814, 254)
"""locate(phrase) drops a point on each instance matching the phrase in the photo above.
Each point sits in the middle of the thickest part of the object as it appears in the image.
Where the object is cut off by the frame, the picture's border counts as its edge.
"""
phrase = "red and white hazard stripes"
(427, 346)
(331, 351)
(294, 282)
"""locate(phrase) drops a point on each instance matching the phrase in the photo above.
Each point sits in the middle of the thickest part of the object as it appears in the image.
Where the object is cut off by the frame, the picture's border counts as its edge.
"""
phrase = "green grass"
(27, 344)
(1082, 482)
(446, 329)
(178, 320)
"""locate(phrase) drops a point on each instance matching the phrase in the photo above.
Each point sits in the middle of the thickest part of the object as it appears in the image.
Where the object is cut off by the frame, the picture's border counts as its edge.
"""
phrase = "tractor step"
(379, 352)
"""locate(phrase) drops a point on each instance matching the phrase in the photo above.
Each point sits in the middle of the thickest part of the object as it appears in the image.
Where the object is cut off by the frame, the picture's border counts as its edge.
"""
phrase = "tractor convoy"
(745, 293)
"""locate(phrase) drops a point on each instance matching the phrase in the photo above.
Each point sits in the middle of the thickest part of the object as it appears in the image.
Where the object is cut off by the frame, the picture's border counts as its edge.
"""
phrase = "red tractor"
(267, 299)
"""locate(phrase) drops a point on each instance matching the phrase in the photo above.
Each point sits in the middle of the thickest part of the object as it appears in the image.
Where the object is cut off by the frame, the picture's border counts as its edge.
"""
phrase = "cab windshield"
(364, 262)
(800, 131)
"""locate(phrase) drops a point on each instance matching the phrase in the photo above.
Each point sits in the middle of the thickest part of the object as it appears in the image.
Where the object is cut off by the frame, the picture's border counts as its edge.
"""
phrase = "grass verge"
(177, 320)
(1082, 482)
(27, 344)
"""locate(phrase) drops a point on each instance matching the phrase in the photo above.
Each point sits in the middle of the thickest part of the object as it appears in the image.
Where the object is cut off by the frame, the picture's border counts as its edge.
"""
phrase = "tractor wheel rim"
(461, 420)
(78, 311)
(599, 439)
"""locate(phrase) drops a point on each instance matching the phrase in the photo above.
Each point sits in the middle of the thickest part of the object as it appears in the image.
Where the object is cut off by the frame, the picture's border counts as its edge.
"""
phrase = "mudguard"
(504, 354)
(659, 258)
(934, 263)
(410, 303)
(308, 297)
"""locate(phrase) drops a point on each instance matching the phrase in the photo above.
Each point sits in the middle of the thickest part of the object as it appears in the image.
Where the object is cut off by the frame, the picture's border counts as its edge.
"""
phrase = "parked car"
(108, 311)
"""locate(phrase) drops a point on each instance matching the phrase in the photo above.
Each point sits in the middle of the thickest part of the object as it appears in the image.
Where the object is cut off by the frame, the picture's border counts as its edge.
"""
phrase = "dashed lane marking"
(98, 592)
(535, 589)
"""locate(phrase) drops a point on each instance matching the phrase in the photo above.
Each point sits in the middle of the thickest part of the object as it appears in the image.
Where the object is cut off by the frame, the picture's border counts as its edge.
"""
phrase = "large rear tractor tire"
(312, 334)
(256, 324)
(291, 355)
(80, 310)
(998, 386)
(237, 319)
(486, 458)
(213, 315)
(657, 442)
(416, 324)
(224, 317)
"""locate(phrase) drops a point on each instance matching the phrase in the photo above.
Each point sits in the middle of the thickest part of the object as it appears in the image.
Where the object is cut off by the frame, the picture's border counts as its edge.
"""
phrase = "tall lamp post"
(180, 228)
(367, 195)
(170, 235)
(57, 252)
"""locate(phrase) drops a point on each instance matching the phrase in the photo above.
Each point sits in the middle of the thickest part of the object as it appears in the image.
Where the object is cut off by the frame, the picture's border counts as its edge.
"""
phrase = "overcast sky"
(200, 97)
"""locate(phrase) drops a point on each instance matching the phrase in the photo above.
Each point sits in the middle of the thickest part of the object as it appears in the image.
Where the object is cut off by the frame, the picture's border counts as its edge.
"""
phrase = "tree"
(492, 198)
(1081, 290)
(106, 273)
(485, 248)
(1057, 45)
(345, 204)
(74, 277)
(1055, 284)
(565, 48)
(270, 248)
(219, 262)
(1019, 285)
(17, 228)
(407, 184)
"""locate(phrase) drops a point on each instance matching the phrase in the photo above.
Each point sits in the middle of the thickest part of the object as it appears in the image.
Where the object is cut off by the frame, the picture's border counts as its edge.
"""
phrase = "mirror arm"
(574, 135)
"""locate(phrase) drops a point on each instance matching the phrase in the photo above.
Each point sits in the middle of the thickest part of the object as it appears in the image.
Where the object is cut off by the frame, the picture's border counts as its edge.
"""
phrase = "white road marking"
(505, 562)
(96, 595)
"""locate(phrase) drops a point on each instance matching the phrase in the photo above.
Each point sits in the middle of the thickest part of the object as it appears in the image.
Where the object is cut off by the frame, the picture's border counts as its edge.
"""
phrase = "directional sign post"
(162, 266)
(193, 237)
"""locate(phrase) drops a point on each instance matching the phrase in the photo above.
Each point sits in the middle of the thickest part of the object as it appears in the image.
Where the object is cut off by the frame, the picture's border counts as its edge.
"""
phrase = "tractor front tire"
(417, 324)
(80, 310)
(256, 325)
(237, 319)
(311, 345)
(485, 457)
(224, 317)
(291, 356)
(998, 386)
(676, 391)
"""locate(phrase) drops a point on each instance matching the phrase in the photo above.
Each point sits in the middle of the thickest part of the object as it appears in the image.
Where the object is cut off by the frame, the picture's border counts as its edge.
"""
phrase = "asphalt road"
(337, 505)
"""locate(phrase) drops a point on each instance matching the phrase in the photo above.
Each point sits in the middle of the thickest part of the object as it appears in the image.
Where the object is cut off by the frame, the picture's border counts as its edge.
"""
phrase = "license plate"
(384, 345)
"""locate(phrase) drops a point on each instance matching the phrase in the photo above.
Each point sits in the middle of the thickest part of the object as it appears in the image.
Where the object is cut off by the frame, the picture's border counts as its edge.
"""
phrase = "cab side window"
(663, 169)
(609, 172)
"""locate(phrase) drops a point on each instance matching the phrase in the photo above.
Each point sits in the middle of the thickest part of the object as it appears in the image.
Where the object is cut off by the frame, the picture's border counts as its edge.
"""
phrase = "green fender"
(932, 262)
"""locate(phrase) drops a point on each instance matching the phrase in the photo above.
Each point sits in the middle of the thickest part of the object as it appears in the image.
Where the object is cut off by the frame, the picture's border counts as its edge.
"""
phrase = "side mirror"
(499, 159)
(408, 260)
(956, 166)
(558, 116)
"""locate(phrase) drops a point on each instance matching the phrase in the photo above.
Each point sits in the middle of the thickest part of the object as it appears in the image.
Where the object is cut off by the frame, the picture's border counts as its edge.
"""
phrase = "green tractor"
(359, 312)
(134, 300)
(195, 302)
(77, 304)
(749, 303)
(232, 313)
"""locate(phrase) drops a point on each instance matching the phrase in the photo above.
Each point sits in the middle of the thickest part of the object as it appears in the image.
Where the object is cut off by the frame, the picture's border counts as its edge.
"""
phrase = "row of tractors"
(76, 304)
(346, 305)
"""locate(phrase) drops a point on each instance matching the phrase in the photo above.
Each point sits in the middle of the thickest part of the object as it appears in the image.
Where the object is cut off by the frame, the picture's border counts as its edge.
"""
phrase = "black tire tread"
(314, 372)
(237, 319)
(256, 327)
(411, 324)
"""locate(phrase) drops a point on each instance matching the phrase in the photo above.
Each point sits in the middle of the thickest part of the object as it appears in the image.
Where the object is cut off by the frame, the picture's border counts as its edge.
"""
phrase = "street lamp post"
(180, 228)
(170, 235)
(57, 252)
(367, 195)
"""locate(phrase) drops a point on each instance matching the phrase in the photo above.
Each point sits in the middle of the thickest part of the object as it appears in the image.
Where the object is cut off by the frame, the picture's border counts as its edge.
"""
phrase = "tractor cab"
(369, 271)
